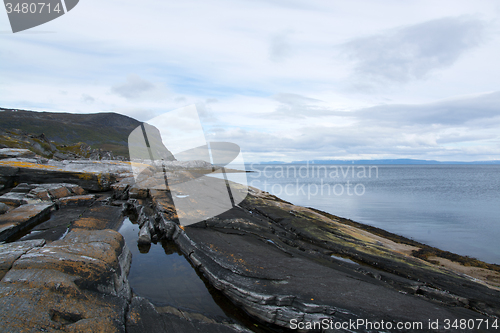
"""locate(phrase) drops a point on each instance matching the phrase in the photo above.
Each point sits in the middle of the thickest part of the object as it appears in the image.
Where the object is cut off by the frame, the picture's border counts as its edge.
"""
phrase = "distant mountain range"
(105, 130)
(382, 162)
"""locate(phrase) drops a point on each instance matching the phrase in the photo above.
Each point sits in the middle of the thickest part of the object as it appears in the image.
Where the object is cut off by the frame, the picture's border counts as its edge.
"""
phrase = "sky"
(286, 80)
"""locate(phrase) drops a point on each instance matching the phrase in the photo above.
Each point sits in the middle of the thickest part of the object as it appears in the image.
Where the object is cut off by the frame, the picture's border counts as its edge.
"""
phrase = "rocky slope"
(277, 261)
(105, 131)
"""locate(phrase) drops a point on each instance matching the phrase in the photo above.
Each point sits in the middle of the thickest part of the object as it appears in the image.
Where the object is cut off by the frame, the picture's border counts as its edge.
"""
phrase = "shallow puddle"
(165, 277)
(343, 259)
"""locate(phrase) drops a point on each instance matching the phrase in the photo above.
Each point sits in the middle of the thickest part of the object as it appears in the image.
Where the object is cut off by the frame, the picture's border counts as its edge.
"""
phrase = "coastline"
(276, 261)
(487, 273)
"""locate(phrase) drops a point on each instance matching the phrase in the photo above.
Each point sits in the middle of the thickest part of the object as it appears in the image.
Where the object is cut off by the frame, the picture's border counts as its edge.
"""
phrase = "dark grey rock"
(3, 208)
(77, 200)
(23, 188)
(143, 317)
(22, 218)
(14, 198)
(144, 234)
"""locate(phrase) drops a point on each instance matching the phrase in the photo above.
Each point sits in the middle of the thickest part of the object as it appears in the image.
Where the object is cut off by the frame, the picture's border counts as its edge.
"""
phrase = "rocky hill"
(104, 131)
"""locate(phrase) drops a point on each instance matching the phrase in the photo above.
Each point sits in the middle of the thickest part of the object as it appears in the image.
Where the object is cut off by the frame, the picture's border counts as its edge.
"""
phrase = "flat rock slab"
(77, 200)
(77, 284)
(57, 225)
(16, 153)
(29, 172)
(57, 306)
(241, 256)
(10, 252)
(143, 317)
(100, 217)
(94, 256)
(22, 218)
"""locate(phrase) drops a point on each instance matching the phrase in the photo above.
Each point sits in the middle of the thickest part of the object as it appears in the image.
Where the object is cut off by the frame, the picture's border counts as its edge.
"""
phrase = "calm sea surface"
(453, 207)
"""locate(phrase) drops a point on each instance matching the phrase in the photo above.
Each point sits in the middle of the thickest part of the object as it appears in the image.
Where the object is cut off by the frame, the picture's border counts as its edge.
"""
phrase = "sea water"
(452, 207)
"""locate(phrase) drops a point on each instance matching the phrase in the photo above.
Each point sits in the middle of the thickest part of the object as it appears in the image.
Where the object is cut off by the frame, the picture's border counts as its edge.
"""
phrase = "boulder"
(145, 234)
(75, 189)
(3, 208)
(23, 188)
(59, 192)
(14, 198)
(99, 258)
(77, 200)
(55, 191)
(40, 193)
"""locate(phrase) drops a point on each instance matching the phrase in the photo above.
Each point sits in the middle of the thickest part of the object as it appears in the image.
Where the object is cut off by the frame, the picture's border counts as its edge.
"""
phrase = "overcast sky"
(285, 79)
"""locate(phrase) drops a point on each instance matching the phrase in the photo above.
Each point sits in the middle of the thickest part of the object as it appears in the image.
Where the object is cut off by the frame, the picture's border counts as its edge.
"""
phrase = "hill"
(107, 131)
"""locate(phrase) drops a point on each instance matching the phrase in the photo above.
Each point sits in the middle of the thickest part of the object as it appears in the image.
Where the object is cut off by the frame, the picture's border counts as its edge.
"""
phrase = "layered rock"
(281, 262)
(21, 218)
(69, 271)
(90, 175)
(75, 284)
(277, 261)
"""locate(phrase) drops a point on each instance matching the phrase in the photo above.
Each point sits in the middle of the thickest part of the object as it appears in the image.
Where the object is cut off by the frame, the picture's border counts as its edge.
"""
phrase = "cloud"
(280, 47)
(133, 88)
(460, 111)
(88, 99)
(463, 128)
(269, 64)
(295, 105)
(413, 52)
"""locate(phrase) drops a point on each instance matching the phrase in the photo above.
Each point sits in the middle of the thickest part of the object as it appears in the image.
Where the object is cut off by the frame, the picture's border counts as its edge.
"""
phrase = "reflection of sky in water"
(166, 279)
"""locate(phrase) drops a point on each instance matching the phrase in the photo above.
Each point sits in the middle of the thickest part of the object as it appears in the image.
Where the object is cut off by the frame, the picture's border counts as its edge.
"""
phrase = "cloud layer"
(286, 80)
(413, 52)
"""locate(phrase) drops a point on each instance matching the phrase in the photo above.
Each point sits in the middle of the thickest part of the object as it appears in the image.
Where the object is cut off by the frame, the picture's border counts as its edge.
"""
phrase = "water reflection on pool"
(165, 277)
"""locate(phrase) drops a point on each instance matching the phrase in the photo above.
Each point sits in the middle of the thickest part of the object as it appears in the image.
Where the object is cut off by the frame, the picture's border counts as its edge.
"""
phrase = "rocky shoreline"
(64, 266)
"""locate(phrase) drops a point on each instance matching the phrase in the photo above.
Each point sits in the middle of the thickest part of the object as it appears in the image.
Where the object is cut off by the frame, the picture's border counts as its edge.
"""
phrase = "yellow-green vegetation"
(428, 252)
(77, 149)
(85, 176)
(18, 164)
(8, 139)
(424, 252)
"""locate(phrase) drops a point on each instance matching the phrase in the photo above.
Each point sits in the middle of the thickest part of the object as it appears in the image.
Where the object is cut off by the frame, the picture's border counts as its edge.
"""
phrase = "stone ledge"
(75, 284)
(22, 218)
